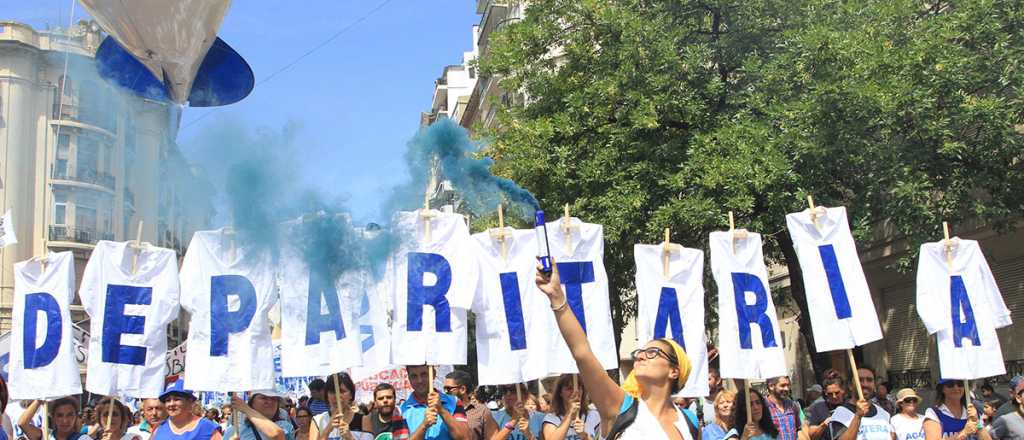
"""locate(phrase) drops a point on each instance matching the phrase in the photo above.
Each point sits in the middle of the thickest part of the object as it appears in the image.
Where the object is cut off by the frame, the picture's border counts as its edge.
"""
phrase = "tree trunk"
(819, 361)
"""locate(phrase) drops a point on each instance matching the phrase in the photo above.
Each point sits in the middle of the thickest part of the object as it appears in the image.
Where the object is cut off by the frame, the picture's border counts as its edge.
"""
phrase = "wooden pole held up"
(666, 254)
(110, 413)
(814, 212)
(856, 375)
(501, 234)
(137, 247)
(567, 228)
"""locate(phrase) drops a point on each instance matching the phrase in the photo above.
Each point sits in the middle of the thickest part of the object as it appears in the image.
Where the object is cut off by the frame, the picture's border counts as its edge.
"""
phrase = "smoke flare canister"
(543, 252)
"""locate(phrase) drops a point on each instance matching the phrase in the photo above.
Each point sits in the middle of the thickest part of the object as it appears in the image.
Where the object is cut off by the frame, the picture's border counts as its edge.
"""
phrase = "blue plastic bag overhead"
(169, 50)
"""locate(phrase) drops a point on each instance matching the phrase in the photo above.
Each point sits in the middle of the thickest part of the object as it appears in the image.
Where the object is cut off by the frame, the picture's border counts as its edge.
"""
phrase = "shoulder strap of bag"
(624, 420)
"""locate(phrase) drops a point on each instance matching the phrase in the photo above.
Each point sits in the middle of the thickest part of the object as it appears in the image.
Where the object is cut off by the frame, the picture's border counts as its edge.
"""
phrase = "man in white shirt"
(862, 420)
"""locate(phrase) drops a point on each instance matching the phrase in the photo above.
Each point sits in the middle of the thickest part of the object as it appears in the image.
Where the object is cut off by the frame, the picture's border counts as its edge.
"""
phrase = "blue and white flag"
(749, 342)
(958, 299)
(672, 306)
(42, 359)
(431, 283)
(838, 299)
(513, 317)
(228, 299)
(319, 320)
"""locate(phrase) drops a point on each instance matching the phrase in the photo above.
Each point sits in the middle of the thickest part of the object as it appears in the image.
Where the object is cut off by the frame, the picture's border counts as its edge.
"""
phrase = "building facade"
(83, 161)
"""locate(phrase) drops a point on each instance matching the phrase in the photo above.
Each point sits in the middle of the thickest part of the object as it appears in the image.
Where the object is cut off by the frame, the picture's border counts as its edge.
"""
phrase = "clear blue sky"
(358, 99)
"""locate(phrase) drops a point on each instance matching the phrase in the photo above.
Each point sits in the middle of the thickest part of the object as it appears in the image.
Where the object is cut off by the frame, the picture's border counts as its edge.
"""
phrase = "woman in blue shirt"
(261, 418)
(723, 424)
(181, 423)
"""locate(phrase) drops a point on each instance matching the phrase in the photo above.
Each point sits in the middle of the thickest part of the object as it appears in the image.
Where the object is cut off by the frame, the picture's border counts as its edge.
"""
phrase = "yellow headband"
(632, 387)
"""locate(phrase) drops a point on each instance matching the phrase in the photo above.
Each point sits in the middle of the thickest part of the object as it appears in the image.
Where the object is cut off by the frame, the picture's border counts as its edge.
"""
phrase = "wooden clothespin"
(949, 245)
(567, 228)
(735, 233)
(137, 247)
(501, 234)
(667, 248)
(814, 212)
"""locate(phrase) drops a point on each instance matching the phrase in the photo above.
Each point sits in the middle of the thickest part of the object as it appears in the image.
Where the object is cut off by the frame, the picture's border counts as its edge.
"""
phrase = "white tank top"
(646, 426)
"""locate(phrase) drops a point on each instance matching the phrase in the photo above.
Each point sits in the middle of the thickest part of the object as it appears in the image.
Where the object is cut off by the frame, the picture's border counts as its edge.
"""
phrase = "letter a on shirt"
(229, 346)
(672, 306)
(963, 305)
(42, 361)
(748, 328)
(319, 328)
(513, 317)
(129, 313)
(838, 300)
(432, 284)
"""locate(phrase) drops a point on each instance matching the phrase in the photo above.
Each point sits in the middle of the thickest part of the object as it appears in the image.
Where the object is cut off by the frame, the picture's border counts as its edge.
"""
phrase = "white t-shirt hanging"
(673, 306)
(876, 427)
(749, 342)
(229, 346)
(128, 315)
(41, 311)
(838, 300)
(319, 328)
(581, 269)
(964, 307)
(513, 317)
(432, 284)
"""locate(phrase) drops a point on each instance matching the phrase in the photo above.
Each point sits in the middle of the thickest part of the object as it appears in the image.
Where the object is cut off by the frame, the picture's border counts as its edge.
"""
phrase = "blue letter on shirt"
(835, 281)
(116, 323)
(668, 314)
(748, 314)
(574, 275)
(316, 322)
(969, 327)
(513, 310)
(41, 356)
(224, 322)
(420, 294)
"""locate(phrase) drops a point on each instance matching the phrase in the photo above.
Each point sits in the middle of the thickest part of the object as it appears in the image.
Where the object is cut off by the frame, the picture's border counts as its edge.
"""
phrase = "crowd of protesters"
(576, 407)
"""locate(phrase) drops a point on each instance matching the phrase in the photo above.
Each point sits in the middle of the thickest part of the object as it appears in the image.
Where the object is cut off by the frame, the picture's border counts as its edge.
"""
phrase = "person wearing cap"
(953, 416)
(814, 394)
(660, 369)
(907, 423)
(153, 414)
(182, 423)
(1011, 404)
(1011, 426)
(261, 418)
(65, 423)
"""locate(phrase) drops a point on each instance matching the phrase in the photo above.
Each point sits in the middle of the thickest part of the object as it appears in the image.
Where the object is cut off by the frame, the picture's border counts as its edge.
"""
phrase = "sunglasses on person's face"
(957, 384)
(449, 389)
(651, 353)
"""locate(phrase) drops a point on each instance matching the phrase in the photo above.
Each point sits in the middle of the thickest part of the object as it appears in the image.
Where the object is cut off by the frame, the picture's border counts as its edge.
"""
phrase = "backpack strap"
(624, 420)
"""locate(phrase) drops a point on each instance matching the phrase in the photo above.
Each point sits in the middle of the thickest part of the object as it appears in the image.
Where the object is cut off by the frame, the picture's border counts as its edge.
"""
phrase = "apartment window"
(85, 217)
(60, 208)
(88, 157)
(60, 164)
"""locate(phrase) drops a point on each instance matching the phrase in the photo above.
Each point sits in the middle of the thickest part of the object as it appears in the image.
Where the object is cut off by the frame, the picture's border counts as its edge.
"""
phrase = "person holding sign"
(515, 421)
(63, 420)
(116, 426)
(425, 407)
(862, 420)
(566, 421)
(263, 419)
(181, 423)
(340, 416)
(759, 426)
(643, 407)
(953, 417)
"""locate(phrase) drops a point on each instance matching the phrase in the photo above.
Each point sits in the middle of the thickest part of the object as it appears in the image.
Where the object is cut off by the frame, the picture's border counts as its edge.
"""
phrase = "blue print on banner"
(224, 322)
(420, 294)
(316, 322)
(748, 314)
(668, 314)
(116, 323)
(968, 327)
(574, 275)
(366, 331)
(41, 355)
(835, 281)
(513, 310)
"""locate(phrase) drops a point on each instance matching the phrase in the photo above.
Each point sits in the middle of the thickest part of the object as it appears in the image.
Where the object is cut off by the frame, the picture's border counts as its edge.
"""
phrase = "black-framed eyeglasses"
(653, 352)
(448, 389)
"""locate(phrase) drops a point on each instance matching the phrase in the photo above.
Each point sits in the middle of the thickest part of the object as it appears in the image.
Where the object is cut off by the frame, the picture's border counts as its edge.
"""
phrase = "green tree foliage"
(651, 114)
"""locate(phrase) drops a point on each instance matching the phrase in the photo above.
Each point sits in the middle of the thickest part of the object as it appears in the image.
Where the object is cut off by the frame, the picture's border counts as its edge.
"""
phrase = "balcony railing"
(77, 234)
(85, 176)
